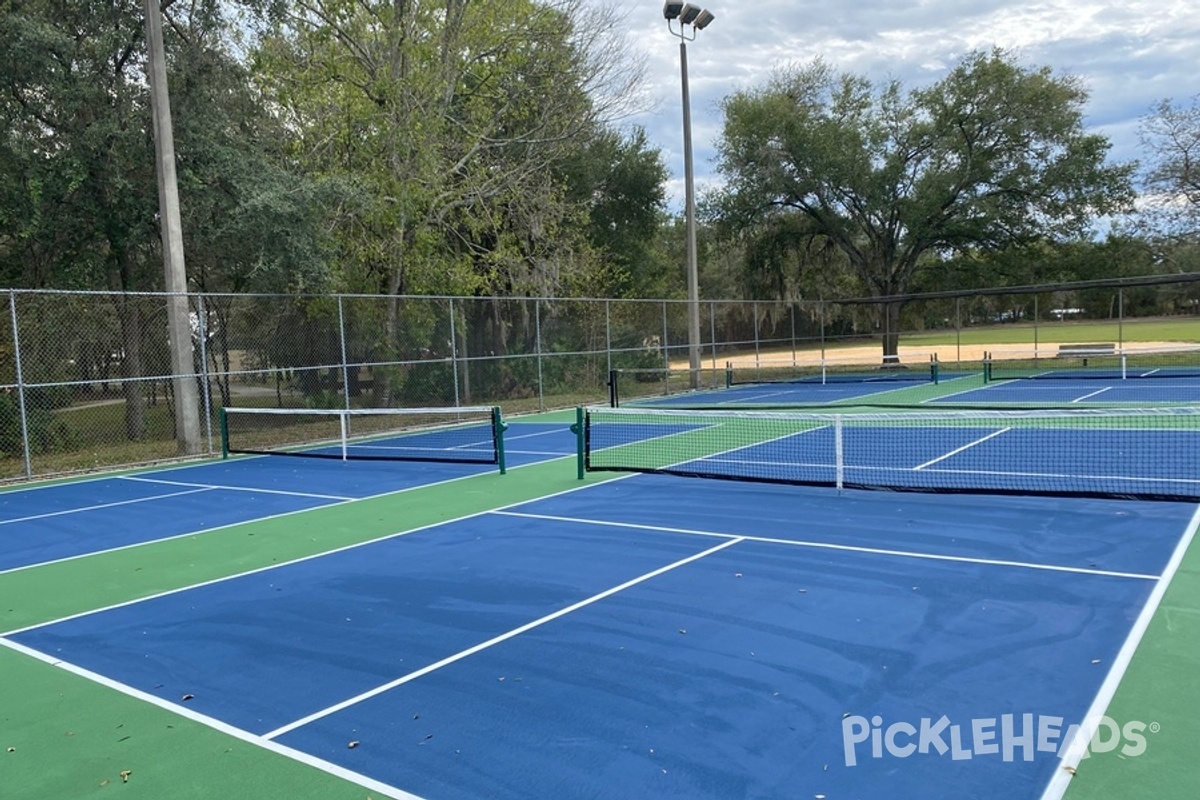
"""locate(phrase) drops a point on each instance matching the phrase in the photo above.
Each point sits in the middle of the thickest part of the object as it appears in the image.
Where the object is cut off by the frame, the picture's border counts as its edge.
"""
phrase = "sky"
(1129, 55)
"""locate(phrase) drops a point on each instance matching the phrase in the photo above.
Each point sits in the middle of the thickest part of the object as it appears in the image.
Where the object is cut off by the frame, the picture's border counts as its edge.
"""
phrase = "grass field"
(1170, 329)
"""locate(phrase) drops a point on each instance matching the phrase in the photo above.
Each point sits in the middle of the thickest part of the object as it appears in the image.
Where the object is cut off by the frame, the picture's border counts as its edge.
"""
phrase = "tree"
(1170, 180)
(78, 196)
(993, 155)
(453, 120)
(619, 180)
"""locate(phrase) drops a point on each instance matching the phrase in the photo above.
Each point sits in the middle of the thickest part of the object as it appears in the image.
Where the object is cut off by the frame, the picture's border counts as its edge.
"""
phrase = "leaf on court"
(187, 697)
(683, 630)
(352, 744)
(12, 749)
(125, 773)
(104, 782)
(1095, 661)
(737, 574)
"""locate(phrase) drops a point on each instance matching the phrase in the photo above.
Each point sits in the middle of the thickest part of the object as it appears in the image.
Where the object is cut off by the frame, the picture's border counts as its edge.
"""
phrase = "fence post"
(1035, 323)
(757, 346)
(666, 344)
(454, 354)
(792, 317)
(537, 321)
(821, 315)
(1120, 319)
(958, 332)
(345, 359)
(12, 308)
(608, 367)
(206, 393)
(712, 327)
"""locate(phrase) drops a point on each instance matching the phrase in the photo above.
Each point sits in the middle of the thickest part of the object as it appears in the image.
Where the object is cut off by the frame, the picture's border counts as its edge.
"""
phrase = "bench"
(1085, 350)
(1093, 349)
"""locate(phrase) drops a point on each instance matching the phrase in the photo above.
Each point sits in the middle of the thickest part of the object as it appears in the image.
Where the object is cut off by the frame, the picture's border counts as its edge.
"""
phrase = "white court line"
(371, 784)
(879, 551)
(555, 431)
(300, 560)
(1061, 779)
(984, 387)
(958, 450)
(252, 521)
(233, 488)
(1092, 394)
(105, 505)
(495, 640)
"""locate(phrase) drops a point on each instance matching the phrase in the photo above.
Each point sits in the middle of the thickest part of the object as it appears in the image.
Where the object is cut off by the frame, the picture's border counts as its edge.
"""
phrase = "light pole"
(688, 15)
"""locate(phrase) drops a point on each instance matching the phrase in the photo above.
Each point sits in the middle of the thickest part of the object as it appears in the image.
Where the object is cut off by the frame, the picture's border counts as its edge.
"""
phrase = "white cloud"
(1128, 54)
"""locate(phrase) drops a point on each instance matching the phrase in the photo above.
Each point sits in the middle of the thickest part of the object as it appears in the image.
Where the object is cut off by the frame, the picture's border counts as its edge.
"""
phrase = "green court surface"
(65, 736)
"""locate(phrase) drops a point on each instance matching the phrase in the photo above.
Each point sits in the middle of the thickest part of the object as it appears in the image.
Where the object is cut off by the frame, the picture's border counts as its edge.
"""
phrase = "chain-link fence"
(86, 383)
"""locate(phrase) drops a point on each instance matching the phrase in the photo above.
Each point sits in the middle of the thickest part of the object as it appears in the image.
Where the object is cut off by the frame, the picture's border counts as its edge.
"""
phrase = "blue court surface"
(668, 638)
(1131, 392)
(50, 523)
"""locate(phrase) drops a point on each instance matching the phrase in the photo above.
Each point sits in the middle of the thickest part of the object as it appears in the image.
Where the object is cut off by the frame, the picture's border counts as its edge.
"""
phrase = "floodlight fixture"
(703, 19)
(671, 10)
(689, 13)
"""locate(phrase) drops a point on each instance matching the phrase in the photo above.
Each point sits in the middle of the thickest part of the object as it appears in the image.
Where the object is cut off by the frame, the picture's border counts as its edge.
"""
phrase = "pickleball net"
(1150, 454)
(803, 369)
(914, 368)
(470, 434)
(1094, 361)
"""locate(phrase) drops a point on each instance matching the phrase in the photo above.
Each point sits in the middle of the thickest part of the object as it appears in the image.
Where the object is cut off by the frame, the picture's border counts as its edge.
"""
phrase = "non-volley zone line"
(251, 489)
(202, 487)
(846, 548)
(196, 489)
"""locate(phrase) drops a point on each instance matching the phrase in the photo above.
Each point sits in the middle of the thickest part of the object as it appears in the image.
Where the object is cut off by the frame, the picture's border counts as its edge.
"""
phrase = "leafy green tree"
(78, 194)
(1170, 136)
(452, 120)
(993, 155)
(619, 180)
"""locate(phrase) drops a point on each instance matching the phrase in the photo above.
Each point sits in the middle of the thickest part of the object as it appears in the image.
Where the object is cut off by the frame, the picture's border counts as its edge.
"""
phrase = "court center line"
(1092, 394)
(495, 640)
(235, 488)
(371, 784)
(848, 548)
(98, 506)
(1077, 748)
(958, 450)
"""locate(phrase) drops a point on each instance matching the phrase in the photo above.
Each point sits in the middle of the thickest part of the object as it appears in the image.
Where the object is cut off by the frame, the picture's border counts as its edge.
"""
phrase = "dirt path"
(947, 353)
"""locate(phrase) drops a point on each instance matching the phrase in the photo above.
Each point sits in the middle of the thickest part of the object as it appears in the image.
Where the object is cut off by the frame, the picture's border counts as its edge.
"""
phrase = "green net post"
(728, 374)
(224, 432)
(987, 367)
(578, 430)
(933, 368)
(499, 426)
